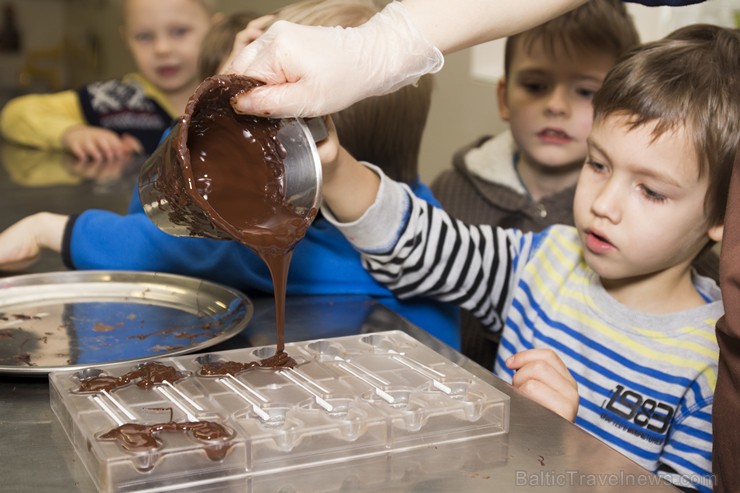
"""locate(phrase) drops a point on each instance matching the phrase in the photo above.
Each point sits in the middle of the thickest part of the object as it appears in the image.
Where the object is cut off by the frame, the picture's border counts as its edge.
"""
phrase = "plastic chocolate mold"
(165, 424)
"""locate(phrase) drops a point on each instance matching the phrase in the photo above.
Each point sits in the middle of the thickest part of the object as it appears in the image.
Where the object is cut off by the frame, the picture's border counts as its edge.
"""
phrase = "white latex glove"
(313, 71)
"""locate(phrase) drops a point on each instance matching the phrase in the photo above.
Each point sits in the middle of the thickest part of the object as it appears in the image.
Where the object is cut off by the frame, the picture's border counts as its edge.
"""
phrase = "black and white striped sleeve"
(417, 249)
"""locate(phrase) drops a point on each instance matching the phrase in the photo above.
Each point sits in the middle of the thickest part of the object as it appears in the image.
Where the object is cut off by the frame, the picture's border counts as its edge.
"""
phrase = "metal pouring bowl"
(303, 178)
(169, 190)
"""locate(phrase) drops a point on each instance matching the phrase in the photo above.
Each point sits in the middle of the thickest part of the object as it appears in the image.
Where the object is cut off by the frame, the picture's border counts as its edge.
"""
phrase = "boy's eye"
(535, 88)
(595, 165)
(585, 92)
(143, 37)
(179, 32)
(652, 195)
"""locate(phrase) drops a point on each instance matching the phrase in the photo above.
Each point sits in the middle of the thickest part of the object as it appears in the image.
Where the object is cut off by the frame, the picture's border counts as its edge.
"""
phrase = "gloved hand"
(313, 71)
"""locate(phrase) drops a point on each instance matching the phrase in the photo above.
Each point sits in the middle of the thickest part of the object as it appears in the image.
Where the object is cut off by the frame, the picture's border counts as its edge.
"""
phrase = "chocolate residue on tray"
(135, 437)
(101, 327)
(219, 368)
(24, 358)
(189, 332)
(146, 376)
(18, 316)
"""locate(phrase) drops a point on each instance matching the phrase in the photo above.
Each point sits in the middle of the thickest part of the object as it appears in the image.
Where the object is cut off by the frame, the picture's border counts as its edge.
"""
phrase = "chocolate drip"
(218, 368)
(147, 376)
(222, 176)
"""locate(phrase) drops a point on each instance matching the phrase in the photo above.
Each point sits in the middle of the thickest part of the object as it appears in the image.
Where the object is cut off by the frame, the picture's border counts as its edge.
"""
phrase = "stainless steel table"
(541, 451)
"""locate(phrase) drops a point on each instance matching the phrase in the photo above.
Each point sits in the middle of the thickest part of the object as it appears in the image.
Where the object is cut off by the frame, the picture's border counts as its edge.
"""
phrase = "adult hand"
(21, 244)
(89, 143)
(312, 71)
(543, 377)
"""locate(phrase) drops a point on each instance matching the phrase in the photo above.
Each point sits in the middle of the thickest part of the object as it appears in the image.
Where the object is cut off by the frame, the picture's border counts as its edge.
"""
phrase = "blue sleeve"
(323, 263)
(106, 240)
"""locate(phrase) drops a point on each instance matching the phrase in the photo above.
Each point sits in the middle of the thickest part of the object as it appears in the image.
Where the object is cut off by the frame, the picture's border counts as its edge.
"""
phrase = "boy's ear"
(503, 108)
(715, 232)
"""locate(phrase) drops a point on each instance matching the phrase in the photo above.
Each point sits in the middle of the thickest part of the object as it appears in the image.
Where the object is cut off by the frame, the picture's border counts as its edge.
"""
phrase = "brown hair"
(219, 41)
(687, 80)
(384, 130)
(598, 26)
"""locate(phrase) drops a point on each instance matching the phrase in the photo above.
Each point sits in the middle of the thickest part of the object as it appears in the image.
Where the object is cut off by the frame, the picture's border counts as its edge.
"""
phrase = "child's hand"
(329, 148)
(89, 143)
(252, 31)
(349, 188)
(21, 244)
(542, 376)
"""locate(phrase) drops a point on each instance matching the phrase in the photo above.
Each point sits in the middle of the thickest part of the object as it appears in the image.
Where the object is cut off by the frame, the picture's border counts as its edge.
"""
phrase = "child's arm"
(21, 244)
(349, 188)
(543, 377)
(39, 120)
(416, 249)
(55, 122)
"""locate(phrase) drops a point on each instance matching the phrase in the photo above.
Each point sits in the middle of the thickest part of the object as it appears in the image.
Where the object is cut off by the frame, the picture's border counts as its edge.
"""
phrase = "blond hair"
(219, 41)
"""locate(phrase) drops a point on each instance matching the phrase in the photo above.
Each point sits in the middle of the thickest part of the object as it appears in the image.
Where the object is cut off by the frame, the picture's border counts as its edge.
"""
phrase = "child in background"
(111, 119)
(604, 323)
(323, 263)
(525, 177)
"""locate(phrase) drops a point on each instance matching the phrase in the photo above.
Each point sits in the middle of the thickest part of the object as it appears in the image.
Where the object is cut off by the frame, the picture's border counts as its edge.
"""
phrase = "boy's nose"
(606, 202)
(557, 101)
(162, 44)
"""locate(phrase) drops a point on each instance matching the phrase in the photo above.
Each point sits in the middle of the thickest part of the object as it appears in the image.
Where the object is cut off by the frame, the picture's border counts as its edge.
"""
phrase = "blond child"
(109, 119)
(525, 177)
(604, 323)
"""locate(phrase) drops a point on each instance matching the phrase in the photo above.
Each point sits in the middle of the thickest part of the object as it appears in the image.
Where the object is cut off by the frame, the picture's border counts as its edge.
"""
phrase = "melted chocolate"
(219, 368)
(222, 175)
(135, 437)
(146, 376)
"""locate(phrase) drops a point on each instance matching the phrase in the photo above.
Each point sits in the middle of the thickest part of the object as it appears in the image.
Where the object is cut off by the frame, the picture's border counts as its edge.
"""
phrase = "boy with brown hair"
(525, 177)
(604, 323)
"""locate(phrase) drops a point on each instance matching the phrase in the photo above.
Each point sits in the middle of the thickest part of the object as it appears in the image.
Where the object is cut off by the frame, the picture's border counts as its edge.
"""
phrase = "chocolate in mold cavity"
(222, 175)
(221, 368)
(146, 376)
(135, 437)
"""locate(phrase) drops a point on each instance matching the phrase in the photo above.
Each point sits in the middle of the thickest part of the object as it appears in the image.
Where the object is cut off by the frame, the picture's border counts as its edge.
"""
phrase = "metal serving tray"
(64, 320)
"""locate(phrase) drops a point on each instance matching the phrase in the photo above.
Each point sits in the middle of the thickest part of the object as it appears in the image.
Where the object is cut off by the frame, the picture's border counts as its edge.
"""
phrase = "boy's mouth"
(554, 136)
(597, 243)
(168, 70)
